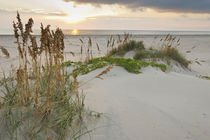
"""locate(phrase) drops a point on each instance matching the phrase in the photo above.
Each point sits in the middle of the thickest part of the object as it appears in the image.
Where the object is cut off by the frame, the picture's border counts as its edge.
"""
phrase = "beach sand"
(150, 106)
(153, 105)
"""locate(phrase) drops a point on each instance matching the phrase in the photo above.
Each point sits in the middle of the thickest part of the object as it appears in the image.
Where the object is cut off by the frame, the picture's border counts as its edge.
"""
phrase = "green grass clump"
(146, 54)
(125, 47)
(88, 67)
(174, 54)
(205, 77)
(130, 65)
(167, 53)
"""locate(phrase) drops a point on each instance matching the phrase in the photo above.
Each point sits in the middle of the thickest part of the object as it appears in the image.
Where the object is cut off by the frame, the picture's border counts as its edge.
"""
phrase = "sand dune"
(150, 106)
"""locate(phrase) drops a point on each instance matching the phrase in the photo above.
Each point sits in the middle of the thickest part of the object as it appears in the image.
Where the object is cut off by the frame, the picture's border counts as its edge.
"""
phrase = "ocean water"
(133, 32)
(120, 32)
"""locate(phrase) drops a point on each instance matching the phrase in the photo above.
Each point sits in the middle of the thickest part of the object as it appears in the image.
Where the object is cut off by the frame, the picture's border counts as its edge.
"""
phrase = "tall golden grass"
(40, 101)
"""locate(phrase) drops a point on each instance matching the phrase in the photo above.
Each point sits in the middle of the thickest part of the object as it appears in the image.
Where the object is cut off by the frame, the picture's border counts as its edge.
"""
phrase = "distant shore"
(81, 32)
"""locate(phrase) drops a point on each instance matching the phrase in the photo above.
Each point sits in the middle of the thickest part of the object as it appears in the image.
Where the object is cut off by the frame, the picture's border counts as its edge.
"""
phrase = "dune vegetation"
(167, 52)
(123, 48)
(131, 65)
(40, 100)
(205, 77)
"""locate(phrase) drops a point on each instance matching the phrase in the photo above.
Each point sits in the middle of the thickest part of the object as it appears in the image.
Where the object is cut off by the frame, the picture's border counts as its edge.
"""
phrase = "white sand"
(149, 106)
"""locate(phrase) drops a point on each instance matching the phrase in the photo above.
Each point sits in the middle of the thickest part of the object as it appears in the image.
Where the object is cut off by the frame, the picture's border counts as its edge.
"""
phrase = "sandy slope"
(148, 106)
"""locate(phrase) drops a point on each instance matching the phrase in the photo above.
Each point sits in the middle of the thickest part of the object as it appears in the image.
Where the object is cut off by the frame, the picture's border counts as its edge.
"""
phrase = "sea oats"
(5, 51)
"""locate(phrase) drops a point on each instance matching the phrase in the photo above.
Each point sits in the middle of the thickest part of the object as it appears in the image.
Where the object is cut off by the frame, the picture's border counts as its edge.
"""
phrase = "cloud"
(191, 6)
(33, 12)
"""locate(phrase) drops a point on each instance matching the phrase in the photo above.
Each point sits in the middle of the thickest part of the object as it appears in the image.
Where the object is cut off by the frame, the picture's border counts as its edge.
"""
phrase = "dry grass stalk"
(75, 83)
(105, 71)
(89, 52)
(98, 48)
(90, 48)
(72, 53)
(170, 41)
(119, 39)
(127, 37)
(81, 41)
(5, 51)
(121, 42)
(81, 49)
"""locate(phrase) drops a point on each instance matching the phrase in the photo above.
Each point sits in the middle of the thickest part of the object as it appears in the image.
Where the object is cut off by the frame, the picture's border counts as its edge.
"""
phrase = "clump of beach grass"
(41, 100)
(168, 52)
(131, 65)
(123, 48)
(205, 77)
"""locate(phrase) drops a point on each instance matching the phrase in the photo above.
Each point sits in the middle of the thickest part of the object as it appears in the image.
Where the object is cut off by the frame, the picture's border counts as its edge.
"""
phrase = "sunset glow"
(112, 15)
(75, 32)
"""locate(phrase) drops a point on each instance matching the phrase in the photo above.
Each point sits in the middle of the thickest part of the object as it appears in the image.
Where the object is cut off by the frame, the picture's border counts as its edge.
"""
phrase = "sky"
(188, 15)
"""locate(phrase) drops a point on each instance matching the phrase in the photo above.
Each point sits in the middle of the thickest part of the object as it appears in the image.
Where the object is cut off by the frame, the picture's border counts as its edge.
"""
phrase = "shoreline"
(134, 35)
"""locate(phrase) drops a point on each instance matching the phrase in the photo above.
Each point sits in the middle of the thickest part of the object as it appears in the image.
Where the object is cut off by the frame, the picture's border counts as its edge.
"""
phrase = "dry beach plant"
(42, 101)
(5, 51)
(105, 71)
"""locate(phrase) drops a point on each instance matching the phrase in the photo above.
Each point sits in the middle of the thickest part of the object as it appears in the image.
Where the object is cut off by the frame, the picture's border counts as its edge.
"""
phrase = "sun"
(74, 32)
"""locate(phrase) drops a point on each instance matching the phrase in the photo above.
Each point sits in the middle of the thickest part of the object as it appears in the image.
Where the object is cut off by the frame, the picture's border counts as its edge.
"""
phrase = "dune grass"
(167, 53)
(40, 100)
(125, 47)
(131, 65)
(205, 77)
